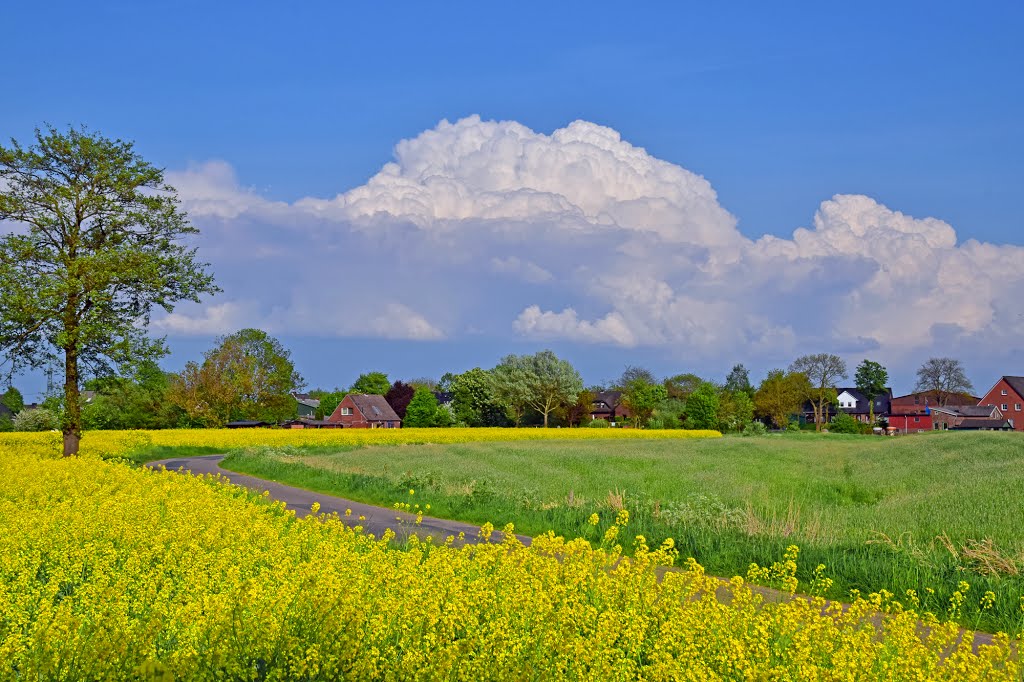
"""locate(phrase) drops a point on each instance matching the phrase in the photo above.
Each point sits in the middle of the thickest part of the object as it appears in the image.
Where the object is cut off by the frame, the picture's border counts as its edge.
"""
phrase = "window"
(1003, 408)
(346, 411)
(1002, 392)
(917, 419)
(1016, 407)
(917, 400)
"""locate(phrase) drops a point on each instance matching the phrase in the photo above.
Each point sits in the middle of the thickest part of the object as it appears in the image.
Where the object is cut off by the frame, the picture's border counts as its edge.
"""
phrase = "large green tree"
(702, 407)
(248, 375)
(99, 243)
(871, 379)
(422, 410)
(642, 397)
(823, 370)
(372, 383)
(738, 380)
(473, 399)
(542, 381)
(781, 395)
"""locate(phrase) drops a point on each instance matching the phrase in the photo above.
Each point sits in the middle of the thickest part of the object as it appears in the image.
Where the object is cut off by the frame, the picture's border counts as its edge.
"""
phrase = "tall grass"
(918, 514)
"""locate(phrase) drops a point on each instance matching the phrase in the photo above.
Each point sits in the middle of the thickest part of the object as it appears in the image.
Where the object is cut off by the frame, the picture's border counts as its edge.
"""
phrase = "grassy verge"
(919, 514)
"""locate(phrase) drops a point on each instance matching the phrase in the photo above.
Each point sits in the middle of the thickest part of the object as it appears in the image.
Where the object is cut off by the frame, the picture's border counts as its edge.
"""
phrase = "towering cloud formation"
(581, 236)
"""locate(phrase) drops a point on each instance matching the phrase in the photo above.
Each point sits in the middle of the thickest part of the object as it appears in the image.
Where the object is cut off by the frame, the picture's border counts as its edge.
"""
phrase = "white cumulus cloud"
(580, 236)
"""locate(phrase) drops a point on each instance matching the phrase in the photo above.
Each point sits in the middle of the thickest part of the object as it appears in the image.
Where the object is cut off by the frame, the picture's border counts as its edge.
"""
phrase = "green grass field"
(915, 512)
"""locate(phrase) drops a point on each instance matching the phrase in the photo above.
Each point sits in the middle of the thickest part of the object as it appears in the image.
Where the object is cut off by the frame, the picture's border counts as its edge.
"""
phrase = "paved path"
(377, 519)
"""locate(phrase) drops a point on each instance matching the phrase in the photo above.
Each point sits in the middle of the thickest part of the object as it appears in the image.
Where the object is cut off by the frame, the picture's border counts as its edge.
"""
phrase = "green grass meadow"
(911, 513)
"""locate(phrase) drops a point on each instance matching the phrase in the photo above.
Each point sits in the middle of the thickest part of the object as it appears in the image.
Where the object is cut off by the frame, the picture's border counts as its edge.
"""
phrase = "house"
(1008, 396)
(306, 405)
(854, 403)
(360, 411)
(970, 418)
(912, 413)
(607, 405)
(911, 419)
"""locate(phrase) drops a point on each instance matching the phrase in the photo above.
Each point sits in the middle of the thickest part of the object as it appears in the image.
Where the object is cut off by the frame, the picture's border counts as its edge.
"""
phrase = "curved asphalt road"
(378, 519)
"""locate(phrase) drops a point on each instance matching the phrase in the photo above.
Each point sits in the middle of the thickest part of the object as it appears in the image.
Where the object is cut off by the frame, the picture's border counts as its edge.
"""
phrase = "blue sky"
(778, 107)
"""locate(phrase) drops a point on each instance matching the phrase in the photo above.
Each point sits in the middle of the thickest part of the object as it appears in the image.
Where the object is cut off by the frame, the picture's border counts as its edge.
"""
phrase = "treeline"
(249, 375)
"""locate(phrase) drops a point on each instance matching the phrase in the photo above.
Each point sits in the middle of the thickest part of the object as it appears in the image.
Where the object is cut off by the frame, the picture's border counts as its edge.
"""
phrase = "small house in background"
(912, 413)
(360, 411)
(306, 405)
(608, 405)
(1008, 396)
(306, 423)
(854, 403)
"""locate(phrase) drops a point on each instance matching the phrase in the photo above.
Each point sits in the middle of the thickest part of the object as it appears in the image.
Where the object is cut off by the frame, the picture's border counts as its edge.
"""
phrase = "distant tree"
(422, 409)
(781, 395)
(101, 241)
(871, 379)
(702, 407)
(738, 380)
(642, 397)
(542, 381)
(944, 377)
(399, 396)
(682, 385)
(13, 400)
(473, 400)
(432, 384)
(735, 410)
(372, 383)
(632, 374)
(137, 401)
(248, 375)
(669, 414)
(823, 370)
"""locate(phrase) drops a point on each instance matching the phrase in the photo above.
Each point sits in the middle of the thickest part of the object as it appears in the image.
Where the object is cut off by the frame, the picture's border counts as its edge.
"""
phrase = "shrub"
(599, 424)
(755, 429)
(844, 423)
(38, 419)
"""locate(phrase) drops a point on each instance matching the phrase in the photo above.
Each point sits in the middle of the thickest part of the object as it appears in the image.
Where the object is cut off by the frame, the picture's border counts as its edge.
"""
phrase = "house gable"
(1008, 396)
(358, 411)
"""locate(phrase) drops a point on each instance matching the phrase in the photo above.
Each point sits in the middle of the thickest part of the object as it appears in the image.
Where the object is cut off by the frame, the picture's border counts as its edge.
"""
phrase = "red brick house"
(1008, 396)
(608, 405)
(912, 413)
(359, 411)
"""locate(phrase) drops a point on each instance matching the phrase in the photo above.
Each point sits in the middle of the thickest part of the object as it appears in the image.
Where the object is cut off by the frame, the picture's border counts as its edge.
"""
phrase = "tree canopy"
(248, 375)
(372, 383)
(871, 379)
(738, 380)
(781, 395)
(99, 244)
(399, 396)
(702, 407)
(944, 377)
(822, 370)
(542, 381)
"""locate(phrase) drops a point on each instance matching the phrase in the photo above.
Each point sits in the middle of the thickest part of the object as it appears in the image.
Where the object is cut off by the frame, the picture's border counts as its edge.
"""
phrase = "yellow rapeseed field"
(108, 571)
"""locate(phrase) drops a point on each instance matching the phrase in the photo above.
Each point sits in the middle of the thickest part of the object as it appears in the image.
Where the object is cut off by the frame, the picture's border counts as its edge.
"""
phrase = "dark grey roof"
(245, 424)
(973, 423)
(374, 407)
(967, 410)
(5, 411)
(882, 407)
(1016, 383)
(608, 399)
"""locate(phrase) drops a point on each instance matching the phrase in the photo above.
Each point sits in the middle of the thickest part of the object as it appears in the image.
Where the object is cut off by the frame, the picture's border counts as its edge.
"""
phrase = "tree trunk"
(72, 426)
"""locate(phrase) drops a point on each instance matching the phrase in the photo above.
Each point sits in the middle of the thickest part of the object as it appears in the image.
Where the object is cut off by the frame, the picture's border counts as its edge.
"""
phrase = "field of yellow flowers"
(109, 571)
